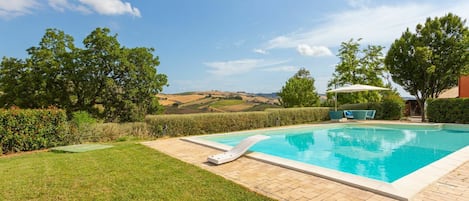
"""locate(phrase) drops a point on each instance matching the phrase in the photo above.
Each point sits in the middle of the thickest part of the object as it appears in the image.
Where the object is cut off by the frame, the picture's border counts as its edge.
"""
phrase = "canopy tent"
(354, 88)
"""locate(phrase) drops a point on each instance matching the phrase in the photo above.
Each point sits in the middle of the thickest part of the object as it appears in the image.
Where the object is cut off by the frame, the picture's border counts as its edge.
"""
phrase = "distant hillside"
(271, 95)
(216, 101)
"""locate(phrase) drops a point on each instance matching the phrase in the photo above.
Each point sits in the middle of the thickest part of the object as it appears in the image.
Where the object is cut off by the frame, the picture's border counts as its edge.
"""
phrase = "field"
(127, 171)
(215, 101)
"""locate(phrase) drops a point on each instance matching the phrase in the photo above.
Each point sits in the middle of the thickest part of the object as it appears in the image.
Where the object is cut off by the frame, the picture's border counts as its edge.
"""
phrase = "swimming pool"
(389, 153)
(382, 152)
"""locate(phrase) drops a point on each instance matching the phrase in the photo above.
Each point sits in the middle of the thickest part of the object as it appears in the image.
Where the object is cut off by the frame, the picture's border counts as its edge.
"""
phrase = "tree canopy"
(299, 91)
(358, 66)
(427, 62)
(104, 78)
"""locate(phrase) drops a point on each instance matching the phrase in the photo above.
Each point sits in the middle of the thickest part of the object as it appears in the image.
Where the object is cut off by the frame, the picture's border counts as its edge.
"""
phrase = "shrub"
(26, 130)
(391, 109)
(194, 124)
(291, 116)
(388, 109)
(82, 123)
(451, 110)
(107, 132)
(356, 106)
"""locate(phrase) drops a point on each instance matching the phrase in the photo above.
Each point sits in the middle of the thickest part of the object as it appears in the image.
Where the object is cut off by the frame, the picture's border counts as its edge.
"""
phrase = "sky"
(231, 45)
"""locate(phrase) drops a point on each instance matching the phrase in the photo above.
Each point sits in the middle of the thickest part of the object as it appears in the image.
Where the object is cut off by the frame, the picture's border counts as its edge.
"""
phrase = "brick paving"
(285, 184)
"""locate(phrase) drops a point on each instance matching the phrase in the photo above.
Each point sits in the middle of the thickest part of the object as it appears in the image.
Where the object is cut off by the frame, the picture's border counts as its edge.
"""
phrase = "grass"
(237, 107)
(198, 103)
(262, 107)
(223, 103)
(127, 171)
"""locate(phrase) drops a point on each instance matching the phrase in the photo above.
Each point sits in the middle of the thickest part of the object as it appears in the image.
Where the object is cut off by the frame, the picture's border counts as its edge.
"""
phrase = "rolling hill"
(216, 101)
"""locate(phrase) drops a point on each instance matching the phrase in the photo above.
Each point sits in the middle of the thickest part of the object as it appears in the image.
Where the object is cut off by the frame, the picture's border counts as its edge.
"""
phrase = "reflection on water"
(367, 144)
(301, 141)
(363, 151)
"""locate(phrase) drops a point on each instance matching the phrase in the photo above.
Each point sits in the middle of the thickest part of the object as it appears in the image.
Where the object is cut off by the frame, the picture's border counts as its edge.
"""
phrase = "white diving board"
(236, 151)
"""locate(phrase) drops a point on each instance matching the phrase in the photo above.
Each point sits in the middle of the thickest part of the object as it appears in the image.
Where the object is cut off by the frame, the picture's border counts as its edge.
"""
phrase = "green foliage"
(451, 110)
(195, 124)
(26, 130)
(82, 118)
(128, 171)
(358, 66)
(292, 116)
(299, 91)
(429, 61)
(83, 124)
(109, 132)
(390, 108)
(123, 81)
(262, 107)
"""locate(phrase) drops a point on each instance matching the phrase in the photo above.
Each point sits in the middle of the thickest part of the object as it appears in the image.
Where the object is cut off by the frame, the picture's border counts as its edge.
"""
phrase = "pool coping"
(404, 188)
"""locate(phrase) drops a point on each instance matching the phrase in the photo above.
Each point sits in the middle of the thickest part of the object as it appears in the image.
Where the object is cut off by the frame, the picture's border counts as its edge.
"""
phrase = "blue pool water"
(382, 152)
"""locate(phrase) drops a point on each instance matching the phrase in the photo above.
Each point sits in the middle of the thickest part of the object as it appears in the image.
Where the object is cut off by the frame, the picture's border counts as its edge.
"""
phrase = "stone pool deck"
(285, 184)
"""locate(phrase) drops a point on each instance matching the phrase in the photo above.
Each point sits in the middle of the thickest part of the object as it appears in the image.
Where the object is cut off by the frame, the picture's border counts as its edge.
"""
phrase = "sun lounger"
(359, 114)
(236, 151)
(348, 114)
(370, 114)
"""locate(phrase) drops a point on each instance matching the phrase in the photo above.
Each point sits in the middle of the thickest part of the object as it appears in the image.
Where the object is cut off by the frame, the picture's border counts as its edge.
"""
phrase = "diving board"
(236, 151)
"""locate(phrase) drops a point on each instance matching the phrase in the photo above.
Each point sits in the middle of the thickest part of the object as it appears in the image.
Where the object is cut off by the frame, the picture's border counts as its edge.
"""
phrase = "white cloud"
(14, 8)
(62, 5)
(10, 9)
(282, 69)
(358, 3)
(260, 51)
(377, 25)
(112, 7)
(313, 51)
(103, 7)
(227, 68)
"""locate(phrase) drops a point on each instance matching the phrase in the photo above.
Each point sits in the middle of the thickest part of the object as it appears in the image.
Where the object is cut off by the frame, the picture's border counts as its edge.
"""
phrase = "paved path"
(285, 184)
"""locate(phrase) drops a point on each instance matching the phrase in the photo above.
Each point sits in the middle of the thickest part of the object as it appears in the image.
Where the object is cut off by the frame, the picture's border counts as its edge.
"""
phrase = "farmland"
(215, 101)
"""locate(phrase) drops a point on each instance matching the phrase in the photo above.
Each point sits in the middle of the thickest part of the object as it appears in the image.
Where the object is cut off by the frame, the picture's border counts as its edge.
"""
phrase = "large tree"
(358, 66)
(427, 62)
(122, 81)
(299, 91)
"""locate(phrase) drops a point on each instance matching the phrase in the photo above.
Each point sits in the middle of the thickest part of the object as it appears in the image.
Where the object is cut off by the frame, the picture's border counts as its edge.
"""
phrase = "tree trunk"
(421, 103)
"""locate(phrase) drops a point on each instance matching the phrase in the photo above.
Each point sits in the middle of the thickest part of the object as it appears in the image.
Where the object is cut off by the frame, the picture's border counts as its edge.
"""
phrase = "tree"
(358, 66)
(14, 83)
(427, 62)
(299, 91)
(123, 81)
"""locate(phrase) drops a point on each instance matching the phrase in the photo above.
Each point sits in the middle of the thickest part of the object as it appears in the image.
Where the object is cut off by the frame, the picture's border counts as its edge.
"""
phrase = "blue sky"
(229, 45)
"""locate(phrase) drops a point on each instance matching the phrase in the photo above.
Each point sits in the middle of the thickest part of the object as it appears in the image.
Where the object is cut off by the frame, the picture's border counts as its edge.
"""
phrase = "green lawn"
(127, 171)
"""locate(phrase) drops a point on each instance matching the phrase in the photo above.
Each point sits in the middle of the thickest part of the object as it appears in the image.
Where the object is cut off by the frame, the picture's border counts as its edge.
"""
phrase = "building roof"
(450, 93)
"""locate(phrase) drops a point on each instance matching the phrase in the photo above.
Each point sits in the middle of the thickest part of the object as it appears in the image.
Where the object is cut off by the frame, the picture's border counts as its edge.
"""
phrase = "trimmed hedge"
(196, 124)
(388, 109)
(451, 110)
(26, 130)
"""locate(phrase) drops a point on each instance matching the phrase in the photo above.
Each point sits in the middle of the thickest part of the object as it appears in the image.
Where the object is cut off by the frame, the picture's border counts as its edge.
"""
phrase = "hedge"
(26, 130)
(451, 110)
(195, 124)
(388, 109)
